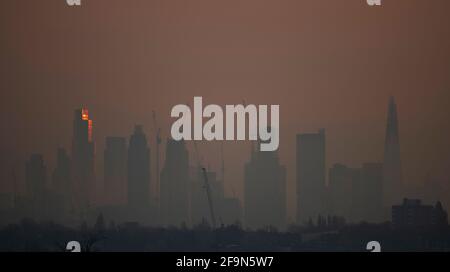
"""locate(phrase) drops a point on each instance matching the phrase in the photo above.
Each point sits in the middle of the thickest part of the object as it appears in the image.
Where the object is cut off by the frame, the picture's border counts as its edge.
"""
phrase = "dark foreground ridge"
(29, 236)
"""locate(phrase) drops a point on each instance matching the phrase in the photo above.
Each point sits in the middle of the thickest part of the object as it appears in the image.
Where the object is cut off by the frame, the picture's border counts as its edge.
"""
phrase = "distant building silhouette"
(371, 189)
(356, 193)
(40, 203)
(264, 191)
(61, 174)
(61, 178)
(138, 170)
(174, 204)
(310, 166)
(341, 179)
(35, 177)
(83, 153)
(392, 168)
(115, 170)
(412, 213)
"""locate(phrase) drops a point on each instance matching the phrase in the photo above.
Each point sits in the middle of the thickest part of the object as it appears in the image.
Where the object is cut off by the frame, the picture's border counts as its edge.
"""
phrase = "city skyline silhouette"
(186, 193)
(323, 69)
(87, 154)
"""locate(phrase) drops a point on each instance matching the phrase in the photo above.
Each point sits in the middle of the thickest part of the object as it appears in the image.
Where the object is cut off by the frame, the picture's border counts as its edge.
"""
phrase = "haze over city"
(328, 64)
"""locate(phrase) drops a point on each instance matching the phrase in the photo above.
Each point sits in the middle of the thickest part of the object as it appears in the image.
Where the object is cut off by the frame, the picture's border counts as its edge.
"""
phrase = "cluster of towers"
(180, 196)
(190, 195)
(356, 194)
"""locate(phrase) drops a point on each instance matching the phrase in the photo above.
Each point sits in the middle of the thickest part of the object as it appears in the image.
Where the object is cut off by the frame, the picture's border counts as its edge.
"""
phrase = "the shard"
(392, 167)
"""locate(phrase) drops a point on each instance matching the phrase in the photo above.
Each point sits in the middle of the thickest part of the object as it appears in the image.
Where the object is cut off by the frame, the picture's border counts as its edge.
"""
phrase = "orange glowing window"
(84, 114)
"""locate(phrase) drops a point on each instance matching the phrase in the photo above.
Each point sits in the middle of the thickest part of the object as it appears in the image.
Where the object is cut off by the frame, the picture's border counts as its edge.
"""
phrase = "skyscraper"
(61, 198)
(174, 204)
(138, 171)
(372, 179)
(264, 191)
(310, 167)
(61, 175)
(392, 168)
(340, 190)
(115, 165)
(357, 193)
(83, 152)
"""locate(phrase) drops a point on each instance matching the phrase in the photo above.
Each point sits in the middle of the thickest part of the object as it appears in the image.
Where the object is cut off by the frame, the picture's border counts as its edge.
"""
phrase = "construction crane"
(158, 143)
(208, 194)
(206, 186)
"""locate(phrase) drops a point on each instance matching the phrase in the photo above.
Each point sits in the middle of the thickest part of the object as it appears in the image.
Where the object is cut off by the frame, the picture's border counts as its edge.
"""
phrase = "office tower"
(366, 195)
(310, 166)
(264, 191)
(35, 177)
(61, 175)
(83, 152)
(357, 196)
(372, 179)
(174, 204)
(340, 191)
(138, 170)
(40, 203)
(392, 168)
(115, 165)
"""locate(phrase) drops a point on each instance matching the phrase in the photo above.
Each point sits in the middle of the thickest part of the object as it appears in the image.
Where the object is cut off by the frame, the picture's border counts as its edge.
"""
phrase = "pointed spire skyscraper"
(392, 168)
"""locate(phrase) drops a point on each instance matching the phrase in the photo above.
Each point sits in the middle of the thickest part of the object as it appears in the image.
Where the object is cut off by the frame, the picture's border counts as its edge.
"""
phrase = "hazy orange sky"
(328, 64)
